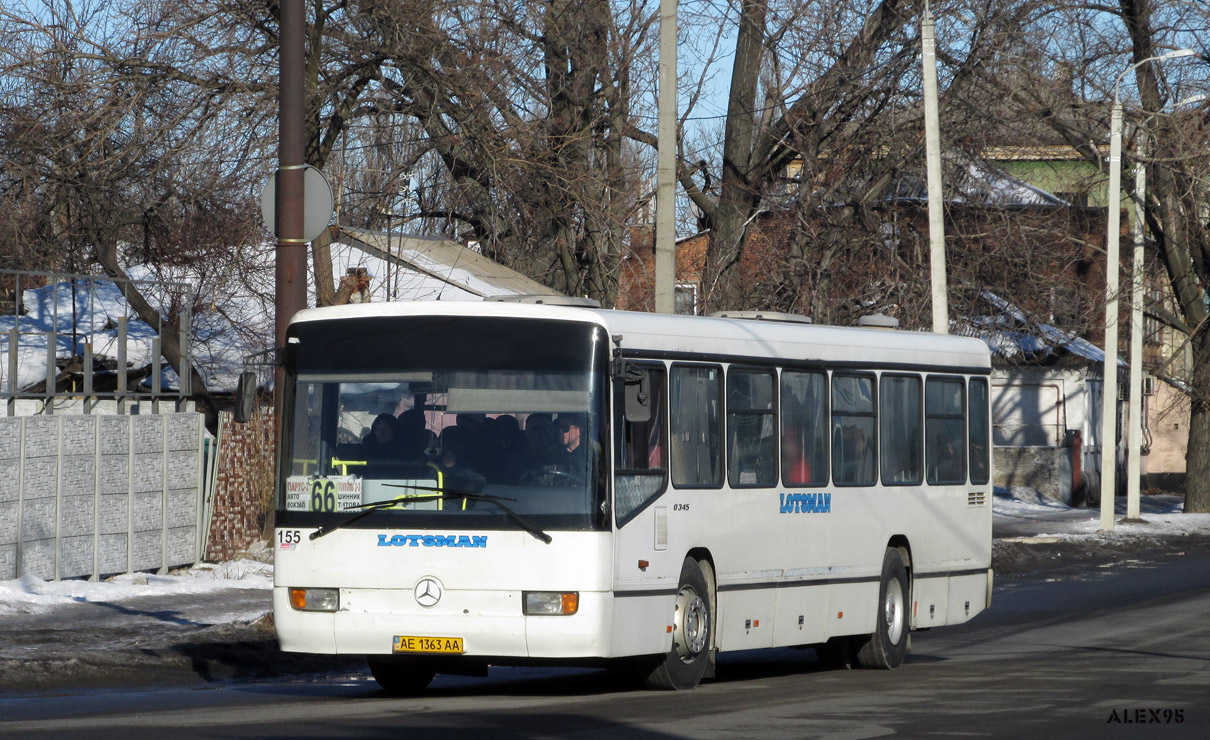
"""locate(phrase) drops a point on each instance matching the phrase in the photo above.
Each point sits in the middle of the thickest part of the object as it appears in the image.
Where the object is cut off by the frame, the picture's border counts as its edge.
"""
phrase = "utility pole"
(932, 138)
(665, 168)
(1134, 427)
(1109, 383)
(291, 256)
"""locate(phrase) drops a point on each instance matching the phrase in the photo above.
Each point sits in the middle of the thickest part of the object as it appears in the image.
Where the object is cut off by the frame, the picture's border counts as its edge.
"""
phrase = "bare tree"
(1087, 51)
(115, 164)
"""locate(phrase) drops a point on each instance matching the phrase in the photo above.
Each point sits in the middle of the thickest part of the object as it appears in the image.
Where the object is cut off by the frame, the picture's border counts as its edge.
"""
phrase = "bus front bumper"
(488, 624)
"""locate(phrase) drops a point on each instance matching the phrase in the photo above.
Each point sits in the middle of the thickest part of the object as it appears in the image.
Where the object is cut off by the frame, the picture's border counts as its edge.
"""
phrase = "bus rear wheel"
(887, 646)
(400, 676)
(692, 634)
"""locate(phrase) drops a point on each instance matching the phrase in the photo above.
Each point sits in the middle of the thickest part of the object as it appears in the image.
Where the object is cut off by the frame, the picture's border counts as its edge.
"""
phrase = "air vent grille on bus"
(548, 300)
(976, 498)
(791, 318)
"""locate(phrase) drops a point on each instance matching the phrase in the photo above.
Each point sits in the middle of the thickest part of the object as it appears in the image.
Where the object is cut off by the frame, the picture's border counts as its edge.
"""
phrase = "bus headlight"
(546, 603)
(315, 599)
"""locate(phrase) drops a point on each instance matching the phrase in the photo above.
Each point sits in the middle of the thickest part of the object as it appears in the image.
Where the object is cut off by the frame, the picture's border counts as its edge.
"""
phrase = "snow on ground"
(1025, 513)
(32, 595)
(231, 317)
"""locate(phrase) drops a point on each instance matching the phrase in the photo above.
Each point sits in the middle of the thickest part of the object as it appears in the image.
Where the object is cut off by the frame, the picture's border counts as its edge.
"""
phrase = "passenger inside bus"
(948, 462)
(381, 440)
(797, 470)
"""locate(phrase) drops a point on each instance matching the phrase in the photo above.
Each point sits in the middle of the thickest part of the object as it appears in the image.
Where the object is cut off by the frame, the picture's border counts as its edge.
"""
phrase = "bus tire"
(692, 634)
(400, 676)
(887, 646)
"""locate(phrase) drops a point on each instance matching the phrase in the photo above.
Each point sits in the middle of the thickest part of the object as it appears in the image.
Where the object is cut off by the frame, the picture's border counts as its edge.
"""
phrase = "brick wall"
(243, 484)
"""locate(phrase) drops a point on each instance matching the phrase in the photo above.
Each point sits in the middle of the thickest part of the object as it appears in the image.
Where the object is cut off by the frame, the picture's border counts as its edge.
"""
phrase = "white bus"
(469, 484)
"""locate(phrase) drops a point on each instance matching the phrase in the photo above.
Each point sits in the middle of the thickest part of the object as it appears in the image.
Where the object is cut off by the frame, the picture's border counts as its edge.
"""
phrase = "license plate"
(409, 644)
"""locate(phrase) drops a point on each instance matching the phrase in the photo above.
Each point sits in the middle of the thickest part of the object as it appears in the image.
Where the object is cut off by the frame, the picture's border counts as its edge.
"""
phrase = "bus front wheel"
(400, 676)
(692, 634)
(887, 646)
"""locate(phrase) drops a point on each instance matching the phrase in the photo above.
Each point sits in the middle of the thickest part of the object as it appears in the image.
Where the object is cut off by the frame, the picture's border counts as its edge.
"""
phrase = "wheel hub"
(692, 625)
(892, 611)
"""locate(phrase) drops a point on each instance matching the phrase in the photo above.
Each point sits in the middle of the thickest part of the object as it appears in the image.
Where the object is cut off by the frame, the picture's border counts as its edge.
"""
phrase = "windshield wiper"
(440, 494)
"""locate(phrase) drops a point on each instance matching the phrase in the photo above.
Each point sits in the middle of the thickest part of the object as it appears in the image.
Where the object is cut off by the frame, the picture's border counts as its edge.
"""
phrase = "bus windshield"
(408, 415)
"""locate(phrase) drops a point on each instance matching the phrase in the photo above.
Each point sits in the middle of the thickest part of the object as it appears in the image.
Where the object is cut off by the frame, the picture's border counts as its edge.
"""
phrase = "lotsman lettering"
(805, 503)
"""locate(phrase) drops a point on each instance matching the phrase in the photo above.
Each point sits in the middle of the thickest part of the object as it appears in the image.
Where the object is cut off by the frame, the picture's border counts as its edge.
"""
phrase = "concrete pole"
(1109, 397)
(1135, 430)
(665, 169)
(291, 256)
(932, 137)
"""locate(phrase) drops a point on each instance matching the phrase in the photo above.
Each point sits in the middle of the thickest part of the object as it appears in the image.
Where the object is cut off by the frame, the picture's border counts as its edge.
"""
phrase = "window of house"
(684, 299)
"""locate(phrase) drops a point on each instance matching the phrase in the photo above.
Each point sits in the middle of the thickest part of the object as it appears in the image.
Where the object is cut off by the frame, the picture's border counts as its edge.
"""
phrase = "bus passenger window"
(804, 424)
(696, 415)
(853, 430)
(945, 430)
(641, 473)
(900, 430)
(978, 435)
(751, 429)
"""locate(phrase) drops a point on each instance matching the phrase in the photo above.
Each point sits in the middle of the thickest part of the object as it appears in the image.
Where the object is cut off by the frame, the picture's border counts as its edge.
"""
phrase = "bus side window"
(945, 430)
(642, 442)
(641, 473)
(977, 432)
(901, 430)
(804, 435)
(853, 430)
(751, 428)
(696, 416)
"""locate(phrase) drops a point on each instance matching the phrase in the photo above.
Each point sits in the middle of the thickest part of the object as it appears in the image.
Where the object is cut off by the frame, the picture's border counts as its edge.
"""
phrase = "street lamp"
(1109, 395)
(1134, 433)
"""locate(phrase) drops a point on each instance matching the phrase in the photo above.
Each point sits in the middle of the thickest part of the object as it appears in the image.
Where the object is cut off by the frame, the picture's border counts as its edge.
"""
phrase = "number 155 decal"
(288, 539)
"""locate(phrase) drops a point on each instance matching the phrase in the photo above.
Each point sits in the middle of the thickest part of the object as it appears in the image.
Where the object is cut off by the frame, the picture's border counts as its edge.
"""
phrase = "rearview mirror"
(638, 396)
(245, 397)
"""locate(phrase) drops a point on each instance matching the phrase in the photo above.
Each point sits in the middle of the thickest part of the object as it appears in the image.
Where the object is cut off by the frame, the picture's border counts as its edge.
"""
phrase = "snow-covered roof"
(1011, 335)
(971, 180)
(415, 268)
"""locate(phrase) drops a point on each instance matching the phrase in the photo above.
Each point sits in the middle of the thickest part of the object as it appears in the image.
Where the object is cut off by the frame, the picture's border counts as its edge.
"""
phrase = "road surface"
(1096, 652)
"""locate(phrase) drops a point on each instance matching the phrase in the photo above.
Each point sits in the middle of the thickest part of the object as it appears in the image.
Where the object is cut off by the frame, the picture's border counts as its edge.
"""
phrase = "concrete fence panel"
(84, 495)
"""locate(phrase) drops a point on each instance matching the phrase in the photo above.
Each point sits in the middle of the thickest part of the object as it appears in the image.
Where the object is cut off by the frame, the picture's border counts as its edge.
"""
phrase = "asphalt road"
(1079, 652)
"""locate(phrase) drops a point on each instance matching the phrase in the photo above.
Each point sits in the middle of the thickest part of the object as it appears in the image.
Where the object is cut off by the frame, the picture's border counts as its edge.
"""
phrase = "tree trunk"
(170, 343)
(739, 194)
(1197, 457)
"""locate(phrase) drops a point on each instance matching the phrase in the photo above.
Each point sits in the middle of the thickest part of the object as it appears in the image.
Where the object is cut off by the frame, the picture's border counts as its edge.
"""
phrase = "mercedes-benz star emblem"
(428, 592)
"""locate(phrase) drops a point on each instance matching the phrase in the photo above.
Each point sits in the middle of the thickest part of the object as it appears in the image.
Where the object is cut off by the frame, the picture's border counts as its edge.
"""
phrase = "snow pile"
(1029, 514)
(32, 595)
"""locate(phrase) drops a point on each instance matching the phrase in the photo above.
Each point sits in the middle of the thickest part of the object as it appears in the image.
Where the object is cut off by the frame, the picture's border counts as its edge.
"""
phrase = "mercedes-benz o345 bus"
(465, 484)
